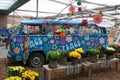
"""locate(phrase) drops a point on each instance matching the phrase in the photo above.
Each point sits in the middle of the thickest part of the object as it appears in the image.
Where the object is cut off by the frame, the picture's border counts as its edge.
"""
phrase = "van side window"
(89, 29)
(27, 29)
(33, 29)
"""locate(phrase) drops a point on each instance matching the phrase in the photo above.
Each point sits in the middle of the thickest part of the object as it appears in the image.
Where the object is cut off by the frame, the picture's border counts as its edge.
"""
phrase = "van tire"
(36, 60)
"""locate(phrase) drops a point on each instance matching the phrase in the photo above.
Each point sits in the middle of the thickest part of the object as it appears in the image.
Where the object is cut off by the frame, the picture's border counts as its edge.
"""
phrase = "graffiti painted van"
(36, 37)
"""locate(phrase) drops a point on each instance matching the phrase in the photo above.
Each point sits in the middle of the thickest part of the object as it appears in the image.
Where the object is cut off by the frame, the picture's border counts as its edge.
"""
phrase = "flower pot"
(52, 64)
(74, 61)
(63, 61)
(93, 59)
(108, 57)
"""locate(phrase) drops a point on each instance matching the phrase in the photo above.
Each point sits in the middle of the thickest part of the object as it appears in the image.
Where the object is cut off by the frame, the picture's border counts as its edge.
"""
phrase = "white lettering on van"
(40, 41)
(21, 46)
(36, 42)
(32, 44)
(71, 46)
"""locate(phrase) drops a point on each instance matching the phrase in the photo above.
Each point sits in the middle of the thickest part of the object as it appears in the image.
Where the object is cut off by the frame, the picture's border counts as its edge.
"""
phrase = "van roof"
(36, 21)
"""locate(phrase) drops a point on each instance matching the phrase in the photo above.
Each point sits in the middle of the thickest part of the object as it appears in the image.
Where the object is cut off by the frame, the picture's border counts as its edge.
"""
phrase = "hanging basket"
(52, 64)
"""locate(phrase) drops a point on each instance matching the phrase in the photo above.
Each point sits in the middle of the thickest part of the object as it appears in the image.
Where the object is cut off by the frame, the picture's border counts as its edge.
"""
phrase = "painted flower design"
(52, 41)
(57, 41)
(12, 44)
(16, 50)
(54, 47)
(47, 46)
(101, 40)
(56, 36)
(83, 42)
(18, 58)
(62, 42)
(45, 39)
(50, 35)
(69, 38)
(20, 39)
(92, 39)
(76, 38)
(88, 43)
(87, 38)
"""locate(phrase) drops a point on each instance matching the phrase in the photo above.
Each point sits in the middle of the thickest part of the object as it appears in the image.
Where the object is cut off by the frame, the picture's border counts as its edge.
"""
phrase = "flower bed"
(19, 73)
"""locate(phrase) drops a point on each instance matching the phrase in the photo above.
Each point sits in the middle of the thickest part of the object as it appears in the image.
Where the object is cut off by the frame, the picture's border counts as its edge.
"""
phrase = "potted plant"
(30, 75)
(94, 54)
(14, 78)
(115, 46)
(82, 53)
(109, 51)
(74, 56)
(52, 57)
(63, 57)
(15, 71)
(102, 51)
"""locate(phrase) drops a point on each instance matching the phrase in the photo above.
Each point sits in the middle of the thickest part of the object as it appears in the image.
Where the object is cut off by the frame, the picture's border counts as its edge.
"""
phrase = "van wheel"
(36, 60)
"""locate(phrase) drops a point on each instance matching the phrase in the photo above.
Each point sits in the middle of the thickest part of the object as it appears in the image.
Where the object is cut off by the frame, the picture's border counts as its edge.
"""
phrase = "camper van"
(37, 37)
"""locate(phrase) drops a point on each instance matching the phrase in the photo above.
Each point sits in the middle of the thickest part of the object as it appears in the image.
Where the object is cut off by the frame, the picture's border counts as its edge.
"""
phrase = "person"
(117, 33)
(11, 31)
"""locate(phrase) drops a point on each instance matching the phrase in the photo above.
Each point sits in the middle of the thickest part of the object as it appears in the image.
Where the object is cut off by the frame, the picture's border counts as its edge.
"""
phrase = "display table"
(100, 63)
(64, 71)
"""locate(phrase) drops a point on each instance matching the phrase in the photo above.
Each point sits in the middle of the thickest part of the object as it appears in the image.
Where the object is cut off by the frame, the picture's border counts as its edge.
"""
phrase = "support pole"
(37, 3)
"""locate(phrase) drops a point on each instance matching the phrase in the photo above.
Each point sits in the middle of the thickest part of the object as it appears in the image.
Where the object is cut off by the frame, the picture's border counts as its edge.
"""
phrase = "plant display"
(14, 78)
(53, 55)
(94, 52)
(74, 55)
(109, 51)
(15, 70)
(80, 50)
(30, 75)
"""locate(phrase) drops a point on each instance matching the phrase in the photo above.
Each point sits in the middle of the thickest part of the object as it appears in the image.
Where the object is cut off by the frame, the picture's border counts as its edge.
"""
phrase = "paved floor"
(3, 52)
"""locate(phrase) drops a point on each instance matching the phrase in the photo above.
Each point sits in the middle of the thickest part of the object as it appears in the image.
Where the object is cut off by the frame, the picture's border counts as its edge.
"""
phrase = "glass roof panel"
(6, 4)
(106, 2)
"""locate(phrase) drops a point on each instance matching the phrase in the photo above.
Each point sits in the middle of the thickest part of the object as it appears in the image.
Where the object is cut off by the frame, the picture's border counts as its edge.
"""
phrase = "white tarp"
(106, 24)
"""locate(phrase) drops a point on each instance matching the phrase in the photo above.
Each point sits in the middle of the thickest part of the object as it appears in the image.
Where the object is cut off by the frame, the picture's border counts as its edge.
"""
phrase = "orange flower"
(16, 50)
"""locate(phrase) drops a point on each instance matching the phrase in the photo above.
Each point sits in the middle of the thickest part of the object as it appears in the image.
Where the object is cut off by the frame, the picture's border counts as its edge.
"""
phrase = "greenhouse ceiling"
(7, 6)
(59, 9)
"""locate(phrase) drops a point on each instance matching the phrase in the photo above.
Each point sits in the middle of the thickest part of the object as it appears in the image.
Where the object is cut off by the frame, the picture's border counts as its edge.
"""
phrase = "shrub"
(109, 51)
(94, 52)
(53, 55)
(63, 54)
(115, 46)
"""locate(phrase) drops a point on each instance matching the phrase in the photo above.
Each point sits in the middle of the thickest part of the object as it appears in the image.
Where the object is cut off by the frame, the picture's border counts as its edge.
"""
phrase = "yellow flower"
(30, 75)
(74, 54)
(80, 50)
(14, 78)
